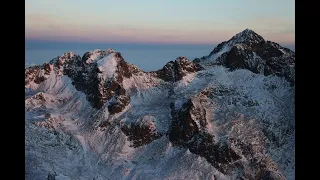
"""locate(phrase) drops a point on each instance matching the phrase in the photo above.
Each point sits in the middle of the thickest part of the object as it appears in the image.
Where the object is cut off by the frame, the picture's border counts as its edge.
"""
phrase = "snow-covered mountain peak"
(95, 55)
(65, 58)
(181, 58)
(248, 50)
(110, 50)
(246, 36)
(100, 117)
(244, 39)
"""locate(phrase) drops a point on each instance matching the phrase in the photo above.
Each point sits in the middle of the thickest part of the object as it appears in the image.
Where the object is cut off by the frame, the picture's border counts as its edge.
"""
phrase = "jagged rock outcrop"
(90, 74)
(232, 128)
(142, 131)
(175, 70)
(103, 80)
(91, 56)
(60, 65)
(191, 129)
(37, 74)
(248, 50)
(31, 74)
(119, 102)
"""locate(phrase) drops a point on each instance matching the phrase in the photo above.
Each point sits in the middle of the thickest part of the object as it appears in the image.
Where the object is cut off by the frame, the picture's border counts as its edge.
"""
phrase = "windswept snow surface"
(107, 65)
(226, 48)
(64, 139)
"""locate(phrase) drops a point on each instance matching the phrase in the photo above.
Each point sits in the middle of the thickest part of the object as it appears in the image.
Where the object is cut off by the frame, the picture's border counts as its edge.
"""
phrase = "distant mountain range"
(226, 115)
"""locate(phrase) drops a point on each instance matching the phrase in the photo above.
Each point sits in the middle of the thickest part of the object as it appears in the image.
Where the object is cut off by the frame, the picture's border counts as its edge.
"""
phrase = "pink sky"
(209, 22)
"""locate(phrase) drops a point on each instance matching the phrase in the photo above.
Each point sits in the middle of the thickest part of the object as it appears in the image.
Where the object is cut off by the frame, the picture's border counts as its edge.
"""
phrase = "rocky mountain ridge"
(248, 50)
(233, 109)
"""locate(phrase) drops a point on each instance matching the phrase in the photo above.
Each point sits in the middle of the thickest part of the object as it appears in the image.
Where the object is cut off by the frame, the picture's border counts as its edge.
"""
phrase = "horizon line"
(40, 43)
(129, 42)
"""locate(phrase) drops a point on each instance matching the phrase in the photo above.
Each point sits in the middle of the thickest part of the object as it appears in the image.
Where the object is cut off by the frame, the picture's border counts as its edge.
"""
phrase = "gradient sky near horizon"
(158, 21)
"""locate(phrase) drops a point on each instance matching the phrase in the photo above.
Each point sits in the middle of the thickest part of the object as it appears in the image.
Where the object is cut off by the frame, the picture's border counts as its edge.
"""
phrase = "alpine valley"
(226, 115)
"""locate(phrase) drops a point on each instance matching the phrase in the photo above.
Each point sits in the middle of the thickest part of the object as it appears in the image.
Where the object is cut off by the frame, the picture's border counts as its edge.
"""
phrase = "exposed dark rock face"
(187, 117)
(248, 50)
(99, 90)
(141, 132)
(62, 63)
(211, 124)
(30, 74)
(123, 68)
(175, 70)
(189, 130)
(118, 104)
(271, 175)
(264, 58)
(106, 89)
(51, 177)
(243, 59)
(36, 74)
(84, 73)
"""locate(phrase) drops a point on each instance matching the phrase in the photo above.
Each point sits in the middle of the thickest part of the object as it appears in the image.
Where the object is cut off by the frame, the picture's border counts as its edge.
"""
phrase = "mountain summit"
(248, 50)
(228, 115)
(247, 36)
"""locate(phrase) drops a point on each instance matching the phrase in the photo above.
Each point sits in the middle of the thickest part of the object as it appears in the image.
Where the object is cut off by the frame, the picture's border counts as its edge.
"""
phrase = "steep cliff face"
(221, 116)
(191, 128)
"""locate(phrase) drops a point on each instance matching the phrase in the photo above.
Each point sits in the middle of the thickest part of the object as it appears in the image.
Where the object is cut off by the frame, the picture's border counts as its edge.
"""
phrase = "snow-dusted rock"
(248, 50)
(99, 117)
(175, 70)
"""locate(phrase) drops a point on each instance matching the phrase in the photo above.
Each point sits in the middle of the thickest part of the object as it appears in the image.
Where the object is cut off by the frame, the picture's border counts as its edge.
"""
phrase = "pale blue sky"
(158, 21)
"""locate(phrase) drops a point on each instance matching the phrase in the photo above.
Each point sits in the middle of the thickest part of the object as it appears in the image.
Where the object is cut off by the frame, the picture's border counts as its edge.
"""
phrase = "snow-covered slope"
(99, 117)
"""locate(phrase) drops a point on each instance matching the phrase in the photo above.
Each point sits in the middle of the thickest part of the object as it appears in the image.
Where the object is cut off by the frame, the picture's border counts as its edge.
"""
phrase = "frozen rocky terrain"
(227, 115)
